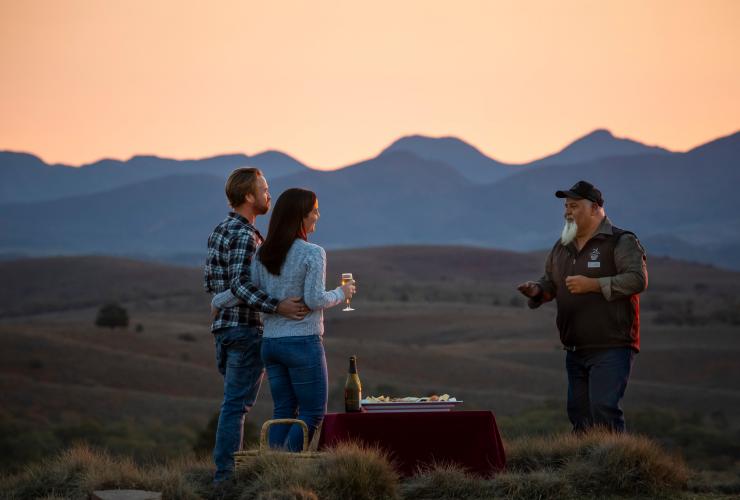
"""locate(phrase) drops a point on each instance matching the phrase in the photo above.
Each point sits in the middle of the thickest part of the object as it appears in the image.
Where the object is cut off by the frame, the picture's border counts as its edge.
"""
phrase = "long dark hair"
(286, 224)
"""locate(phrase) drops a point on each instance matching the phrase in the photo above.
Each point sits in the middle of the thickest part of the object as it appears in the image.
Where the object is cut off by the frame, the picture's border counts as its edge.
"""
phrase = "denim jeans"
(296, 369)
(238, 360)
(596, 384)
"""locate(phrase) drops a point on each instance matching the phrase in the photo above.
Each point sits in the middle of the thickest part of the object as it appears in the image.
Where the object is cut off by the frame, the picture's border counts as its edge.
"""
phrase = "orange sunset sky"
(334, 82)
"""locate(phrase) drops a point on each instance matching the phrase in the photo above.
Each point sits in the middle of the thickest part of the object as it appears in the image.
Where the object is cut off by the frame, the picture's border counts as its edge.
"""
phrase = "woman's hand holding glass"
(349, 290)
(347, 279)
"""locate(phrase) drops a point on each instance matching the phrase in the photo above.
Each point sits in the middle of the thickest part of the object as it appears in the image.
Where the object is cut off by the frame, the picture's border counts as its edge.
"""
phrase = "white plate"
(402, 407)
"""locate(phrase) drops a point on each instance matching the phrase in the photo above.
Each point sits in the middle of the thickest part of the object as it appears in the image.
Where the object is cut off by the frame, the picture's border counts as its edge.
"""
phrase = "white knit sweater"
(303, 275)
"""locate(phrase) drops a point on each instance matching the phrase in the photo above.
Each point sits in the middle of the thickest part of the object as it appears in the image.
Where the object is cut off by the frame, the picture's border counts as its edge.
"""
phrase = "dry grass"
(446, 482)
(80, 470)
(727, 482)
(290, 493)
(597, 465)
(347, 471)
(534, 485)
(532, 453)
(601, 463)
(358, 472)
(274, 473)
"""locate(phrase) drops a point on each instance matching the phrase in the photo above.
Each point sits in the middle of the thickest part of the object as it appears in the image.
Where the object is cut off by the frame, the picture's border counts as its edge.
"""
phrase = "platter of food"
(385, 404)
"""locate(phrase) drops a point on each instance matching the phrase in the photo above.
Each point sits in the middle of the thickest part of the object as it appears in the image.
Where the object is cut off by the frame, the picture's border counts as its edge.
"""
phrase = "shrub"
(596, 465)
(79, 471)
(727, 482)
(275, 472)
(545, 483)
(445, 481)
(290, 493)
(348, 471)
(112, 315)
(357, 472)
(602, 463)
(538, 452)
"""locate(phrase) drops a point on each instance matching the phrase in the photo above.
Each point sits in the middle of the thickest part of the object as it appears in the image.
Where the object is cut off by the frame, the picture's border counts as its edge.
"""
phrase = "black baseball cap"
(582, 190)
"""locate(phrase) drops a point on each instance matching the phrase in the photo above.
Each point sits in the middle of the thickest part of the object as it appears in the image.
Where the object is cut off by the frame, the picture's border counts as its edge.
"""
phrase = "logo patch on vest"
(594, 258)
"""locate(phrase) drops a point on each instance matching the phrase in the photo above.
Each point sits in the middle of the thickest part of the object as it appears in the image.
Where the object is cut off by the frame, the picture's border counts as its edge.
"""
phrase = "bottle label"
(352, 400)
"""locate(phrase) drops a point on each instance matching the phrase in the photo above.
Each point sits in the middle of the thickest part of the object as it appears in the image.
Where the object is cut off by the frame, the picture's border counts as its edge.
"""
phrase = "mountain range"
(26, 178)
(419, 190)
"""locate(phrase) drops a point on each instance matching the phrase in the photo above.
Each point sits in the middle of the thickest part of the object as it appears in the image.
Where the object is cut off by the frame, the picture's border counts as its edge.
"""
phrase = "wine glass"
(346, 278)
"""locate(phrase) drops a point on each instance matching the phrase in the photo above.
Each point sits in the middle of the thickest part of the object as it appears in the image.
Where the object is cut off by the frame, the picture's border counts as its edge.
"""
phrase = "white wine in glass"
(346, 278)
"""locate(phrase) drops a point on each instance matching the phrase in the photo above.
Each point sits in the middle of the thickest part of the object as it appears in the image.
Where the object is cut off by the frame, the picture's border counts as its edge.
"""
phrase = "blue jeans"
(596, 384)
(238, 360)
(296, 369)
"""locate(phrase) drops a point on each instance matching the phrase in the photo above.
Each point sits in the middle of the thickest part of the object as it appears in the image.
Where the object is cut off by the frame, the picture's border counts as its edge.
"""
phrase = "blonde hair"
(241, 182)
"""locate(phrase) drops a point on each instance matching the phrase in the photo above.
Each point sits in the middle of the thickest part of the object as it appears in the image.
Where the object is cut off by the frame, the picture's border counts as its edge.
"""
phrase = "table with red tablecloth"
(469, 439)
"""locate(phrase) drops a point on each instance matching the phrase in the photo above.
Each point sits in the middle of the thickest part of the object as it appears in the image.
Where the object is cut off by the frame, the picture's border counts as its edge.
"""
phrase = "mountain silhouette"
(683, 203)
(467, 159)
(479, 168)
(600, 143)
(25, 178)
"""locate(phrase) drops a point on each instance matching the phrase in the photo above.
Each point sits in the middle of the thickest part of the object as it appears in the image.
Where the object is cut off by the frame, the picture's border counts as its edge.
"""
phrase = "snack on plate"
(434, 397)
(377, 399)
(408, 399)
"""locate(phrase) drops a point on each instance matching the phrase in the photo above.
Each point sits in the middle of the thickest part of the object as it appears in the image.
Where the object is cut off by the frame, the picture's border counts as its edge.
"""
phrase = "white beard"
(569, 232)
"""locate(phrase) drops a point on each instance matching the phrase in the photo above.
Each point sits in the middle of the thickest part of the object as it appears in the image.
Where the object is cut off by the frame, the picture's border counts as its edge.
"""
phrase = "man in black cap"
(595, 272)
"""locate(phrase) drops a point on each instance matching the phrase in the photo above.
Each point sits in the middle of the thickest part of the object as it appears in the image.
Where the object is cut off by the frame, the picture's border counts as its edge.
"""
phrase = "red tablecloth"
(466, 438)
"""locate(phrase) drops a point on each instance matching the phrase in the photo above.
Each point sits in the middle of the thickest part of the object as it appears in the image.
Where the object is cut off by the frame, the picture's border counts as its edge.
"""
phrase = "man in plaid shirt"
(237, 330)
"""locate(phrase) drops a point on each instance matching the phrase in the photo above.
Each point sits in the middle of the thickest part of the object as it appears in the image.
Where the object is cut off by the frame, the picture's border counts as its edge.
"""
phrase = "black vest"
(588, 320)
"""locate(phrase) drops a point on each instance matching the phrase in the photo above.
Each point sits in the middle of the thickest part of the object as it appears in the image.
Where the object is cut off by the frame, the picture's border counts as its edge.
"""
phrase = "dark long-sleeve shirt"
(609, 317)
(629, 258)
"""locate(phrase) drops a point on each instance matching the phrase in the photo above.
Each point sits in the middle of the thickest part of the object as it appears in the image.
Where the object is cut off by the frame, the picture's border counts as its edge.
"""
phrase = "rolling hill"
(428, 319)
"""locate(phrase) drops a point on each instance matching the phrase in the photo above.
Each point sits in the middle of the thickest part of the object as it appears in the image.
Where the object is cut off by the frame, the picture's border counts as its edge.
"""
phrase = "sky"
(335, 82)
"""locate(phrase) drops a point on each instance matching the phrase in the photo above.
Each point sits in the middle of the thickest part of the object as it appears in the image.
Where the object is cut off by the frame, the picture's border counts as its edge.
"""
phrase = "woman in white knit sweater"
(287, 265)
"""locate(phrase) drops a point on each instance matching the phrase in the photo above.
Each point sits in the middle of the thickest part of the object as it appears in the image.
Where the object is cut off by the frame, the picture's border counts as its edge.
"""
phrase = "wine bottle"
(352, 388)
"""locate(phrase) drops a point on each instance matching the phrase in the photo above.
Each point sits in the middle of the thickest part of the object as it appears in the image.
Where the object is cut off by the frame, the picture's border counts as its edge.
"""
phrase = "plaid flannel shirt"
(231, 247)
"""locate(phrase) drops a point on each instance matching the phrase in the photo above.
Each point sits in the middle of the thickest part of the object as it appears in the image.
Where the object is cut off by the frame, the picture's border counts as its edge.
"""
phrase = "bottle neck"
(352, 365)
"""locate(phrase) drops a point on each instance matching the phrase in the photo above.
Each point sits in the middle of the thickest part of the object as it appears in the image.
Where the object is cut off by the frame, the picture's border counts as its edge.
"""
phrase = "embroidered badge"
(595, 254)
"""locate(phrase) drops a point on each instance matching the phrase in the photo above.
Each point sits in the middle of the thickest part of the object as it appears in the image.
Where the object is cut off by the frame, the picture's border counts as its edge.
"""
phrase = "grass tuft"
(532, 453)
(446, 482)
(535, 485)
(595, 465)
(290, 493)
(625, 464)
(602, 463)
(348, 471)
(76, 472)
(726, 482)
(359, 472)
(275, 472)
